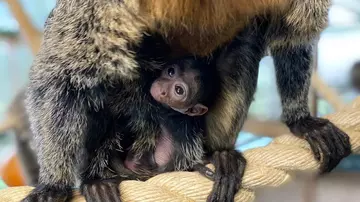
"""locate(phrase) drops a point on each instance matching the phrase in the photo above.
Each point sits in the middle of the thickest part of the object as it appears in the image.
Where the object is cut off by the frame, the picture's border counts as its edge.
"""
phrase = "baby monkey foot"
(325, 139)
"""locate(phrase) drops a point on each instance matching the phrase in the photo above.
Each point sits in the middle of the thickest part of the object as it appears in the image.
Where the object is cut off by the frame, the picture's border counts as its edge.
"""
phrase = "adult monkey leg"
(293, 72)
(56, 146)
(99, 183)
(60, 121)
(238, 69)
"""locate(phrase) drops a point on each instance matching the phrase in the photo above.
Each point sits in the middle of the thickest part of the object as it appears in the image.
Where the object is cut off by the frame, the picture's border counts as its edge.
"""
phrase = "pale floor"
(336, 187)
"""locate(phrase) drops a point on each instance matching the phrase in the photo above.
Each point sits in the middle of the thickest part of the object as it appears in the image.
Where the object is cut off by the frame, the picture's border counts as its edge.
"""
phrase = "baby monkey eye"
(171, 72)
(179, 90)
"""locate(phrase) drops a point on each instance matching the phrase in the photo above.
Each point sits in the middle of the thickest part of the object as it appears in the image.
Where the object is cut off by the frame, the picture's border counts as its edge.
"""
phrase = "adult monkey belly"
(90, 48)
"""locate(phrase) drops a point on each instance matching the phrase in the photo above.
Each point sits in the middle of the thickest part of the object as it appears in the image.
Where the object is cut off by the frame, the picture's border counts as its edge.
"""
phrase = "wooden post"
(319, 87)
(329, 94)
(32, 35)
(313, 94)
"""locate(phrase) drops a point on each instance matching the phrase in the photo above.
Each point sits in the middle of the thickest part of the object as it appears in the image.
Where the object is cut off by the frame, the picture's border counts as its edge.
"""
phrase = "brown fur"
(195, 25)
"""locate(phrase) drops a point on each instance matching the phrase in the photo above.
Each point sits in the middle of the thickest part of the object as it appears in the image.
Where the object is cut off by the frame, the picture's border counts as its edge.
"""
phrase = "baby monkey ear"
(197, 110)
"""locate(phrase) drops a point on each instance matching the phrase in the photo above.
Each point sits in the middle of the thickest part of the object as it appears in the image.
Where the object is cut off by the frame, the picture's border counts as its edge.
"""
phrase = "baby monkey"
(184, 87)
(184, 90)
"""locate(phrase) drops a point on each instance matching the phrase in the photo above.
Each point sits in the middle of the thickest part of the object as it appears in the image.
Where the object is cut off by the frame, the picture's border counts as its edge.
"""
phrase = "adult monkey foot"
(325, 139)
(46, 193)
(229, 170)
(101, 190)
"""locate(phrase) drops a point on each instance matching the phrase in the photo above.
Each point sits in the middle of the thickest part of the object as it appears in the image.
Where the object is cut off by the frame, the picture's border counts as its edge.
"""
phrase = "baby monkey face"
(176, 87)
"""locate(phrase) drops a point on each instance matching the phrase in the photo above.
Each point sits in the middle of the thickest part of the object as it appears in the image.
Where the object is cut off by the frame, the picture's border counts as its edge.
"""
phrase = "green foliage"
(2, 184)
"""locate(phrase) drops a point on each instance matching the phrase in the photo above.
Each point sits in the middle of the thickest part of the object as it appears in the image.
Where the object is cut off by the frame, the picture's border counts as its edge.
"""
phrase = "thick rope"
(267, 166)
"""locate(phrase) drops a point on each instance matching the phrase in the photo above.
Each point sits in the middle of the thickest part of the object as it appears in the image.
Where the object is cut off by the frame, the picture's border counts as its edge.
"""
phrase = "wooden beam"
(265, 128)
(313, 93)
(319, 87)
(326, 92)
(32, 35)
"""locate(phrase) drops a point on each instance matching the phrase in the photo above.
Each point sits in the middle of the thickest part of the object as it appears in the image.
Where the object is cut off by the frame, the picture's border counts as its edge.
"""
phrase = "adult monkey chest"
(199, 27)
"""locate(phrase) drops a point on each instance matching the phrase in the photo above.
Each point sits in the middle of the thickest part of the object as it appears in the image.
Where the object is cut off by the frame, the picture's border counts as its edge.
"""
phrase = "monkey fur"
(17, 121)
(93, 48)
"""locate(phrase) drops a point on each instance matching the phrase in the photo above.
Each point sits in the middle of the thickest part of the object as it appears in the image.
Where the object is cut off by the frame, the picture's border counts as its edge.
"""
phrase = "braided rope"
(267, 166)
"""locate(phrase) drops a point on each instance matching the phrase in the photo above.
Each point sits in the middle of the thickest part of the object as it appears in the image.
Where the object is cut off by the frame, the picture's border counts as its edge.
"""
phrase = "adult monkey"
(90, 45)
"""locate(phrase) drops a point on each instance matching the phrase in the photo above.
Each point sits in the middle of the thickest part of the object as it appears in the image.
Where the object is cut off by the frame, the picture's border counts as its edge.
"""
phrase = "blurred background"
(336, 83)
